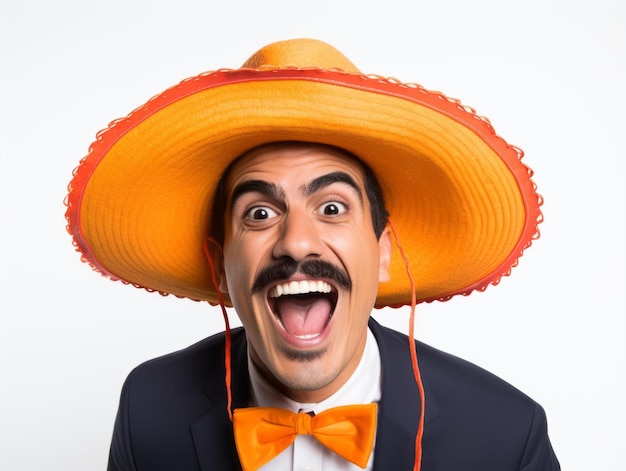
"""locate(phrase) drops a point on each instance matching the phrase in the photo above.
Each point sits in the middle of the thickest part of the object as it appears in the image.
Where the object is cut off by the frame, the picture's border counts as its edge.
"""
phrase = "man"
(304, 194)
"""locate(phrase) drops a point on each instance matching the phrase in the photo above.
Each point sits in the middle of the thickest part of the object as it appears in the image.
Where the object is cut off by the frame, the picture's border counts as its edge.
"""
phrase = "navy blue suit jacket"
(173, 416)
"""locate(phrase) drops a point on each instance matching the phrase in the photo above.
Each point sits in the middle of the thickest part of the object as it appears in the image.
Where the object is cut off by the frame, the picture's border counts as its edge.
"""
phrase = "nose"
(299, 237)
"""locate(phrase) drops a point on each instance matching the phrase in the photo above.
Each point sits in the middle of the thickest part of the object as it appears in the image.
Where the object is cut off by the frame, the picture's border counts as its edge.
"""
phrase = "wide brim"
(463, 205)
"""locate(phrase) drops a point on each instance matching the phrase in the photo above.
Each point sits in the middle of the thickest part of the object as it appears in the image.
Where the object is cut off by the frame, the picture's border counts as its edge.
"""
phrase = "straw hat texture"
(463, 204)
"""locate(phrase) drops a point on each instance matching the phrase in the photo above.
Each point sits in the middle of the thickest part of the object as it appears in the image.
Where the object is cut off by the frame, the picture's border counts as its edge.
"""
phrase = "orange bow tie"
(261, 433)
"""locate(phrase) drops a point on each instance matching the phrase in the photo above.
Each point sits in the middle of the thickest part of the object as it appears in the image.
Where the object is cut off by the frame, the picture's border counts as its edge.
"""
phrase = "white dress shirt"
(306, 453)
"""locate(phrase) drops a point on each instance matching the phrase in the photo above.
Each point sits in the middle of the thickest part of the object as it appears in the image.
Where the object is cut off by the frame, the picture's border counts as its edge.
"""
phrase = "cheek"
(236, 266)
(239, 268)
(244, 255)
(359, 253)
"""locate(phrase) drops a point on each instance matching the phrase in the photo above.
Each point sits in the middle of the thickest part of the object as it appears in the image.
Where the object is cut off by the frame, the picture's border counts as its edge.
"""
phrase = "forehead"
(293, 161)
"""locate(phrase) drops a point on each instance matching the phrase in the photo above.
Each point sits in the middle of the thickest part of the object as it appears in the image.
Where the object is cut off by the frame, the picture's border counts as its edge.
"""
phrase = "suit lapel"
(212, 437)
(213, 432)
(399, 411)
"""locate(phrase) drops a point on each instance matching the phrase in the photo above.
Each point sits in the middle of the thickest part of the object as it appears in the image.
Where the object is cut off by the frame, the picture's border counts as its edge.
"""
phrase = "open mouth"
(303, 308)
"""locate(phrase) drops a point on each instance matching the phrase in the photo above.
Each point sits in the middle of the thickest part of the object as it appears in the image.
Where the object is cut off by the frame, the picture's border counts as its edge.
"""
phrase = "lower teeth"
(306, 336)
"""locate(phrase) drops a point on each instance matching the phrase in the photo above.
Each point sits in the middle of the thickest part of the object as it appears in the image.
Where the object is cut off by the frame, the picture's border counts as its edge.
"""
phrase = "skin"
(302, 202)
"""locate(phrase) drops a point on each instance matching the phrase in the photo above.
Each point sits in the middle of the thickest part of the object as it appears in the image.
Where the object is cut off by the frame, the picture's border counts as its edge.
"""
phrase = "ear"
(384, 248)
(215, 256)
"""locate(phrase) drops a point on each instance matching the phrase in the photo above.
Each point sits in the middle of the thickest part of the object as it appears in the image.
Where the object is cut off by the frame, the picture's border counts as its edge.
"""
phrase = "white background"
(549, 74)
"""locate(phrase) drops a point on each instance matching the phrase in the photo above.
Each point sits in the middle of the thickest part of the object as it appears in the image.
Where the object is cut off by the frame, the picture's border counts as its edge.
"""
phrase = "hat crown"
(300, 53)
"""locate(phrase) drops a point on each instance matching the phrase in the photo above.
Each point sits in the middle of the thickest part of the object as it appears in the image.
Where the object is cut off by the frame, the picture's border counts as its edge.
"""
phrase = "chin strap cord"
(227, 345)
(416, 371)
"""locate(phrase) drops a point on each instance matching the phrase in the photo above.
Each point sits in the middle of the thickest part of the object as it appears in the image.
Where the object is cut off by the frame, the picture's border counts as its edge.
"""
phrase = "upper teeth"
(300, 287)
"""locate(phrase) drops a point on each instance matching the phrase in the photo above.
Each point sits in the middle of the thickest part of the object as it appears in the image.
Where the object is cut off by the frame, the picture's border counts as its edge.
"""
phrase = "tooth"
(304, 287)
(279, 290)
(307, 336)
(294, 288)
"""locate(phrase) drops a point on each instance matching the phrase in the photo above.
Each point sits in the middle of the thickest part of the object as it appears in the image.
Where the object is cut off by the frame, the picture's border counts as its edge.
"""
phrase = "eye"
(333, 208)
(260, 213)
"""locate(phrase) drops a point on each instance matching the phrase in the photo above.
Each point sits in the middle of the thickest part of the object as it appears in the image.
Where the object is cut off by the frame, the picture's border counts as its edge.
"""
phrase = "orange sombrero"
(463, 204)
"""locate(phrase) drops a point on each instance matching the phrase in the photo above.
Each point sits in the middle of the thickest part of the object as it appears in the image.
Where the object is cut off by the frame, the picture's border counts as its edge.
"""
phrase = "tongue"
(303, 315)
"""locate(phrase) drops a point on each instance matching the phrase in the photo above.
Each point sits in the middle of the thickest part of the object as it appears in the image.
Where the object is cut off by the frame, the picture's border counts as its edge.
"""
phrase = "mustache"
(286, 267)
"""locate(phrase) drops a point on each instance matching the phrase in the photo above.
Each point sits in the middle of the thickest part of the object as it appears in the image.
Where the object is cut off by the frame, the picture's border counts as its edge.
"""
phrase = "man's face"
(302, 264)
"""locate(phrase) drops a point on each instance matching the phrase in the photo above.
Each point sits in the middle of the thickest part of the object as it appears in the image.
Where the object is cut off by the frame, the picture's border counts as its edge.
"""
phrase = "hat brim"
(463, 204)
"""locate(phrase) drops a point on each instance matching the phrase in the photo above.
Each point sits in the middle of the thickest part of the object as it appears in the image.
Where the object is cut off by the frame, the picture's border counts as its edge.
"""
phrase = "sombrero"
(463, 204)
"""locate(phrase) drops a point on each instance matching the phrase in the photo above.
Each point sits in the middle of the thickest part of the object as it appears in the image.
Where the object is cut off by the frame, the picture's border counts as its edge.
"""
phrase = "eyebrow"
(272, 190)
(325, 180)
(256, 186)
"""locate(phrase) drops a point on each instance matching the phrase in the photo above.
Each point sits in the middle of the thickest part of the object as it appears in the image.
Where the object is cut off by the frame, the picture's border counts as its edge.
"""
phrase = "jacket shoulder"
(166, 404)
(474, 419)
(443, 370)
(191, 363)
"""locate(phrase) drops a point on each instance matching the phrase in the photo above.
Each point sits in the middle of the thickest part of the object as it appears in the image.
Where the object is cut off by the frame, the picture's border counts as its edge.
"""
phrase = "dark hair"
(373, 192)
